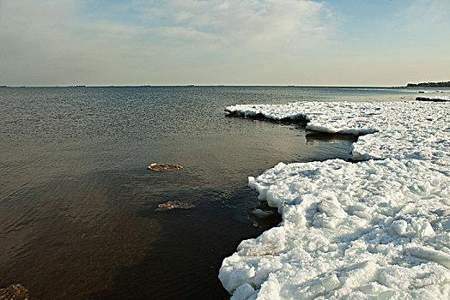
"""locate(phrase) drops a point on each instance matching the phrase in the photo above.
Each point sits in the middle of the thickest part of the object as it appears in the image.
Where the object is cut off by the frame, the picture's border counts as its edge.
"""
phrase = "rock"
(169, 205)
(164, 167)
(14, 292)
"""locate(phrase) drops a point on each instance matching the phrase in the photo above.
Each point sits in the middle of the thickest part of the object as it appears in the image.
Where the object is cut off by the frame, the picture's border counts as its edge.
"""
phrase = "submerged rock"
(169, 205)
(259, 213)
(164, 167)
(14, 292)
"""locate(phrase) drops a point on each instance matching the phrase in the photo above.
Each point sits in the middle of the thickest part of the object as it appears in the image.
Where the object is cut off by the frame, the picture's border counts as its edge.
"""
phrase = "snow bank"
(379, 228)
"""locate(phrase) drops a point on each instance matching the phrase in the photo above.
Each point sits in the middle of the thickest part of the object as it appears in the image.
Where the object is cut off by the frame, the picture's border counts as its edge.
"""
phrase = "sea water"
(79, 215)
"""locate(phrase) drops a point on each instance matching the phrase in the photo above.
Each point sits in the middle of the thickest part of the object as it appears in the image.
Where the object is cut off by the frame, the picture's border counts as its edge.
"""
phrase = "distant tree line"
(429, 84)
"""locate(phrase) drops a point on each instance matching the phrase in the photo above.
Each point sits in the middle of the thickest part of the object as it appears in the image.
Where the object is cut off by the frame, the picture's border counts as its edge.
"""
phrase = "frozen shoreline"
(376, 228)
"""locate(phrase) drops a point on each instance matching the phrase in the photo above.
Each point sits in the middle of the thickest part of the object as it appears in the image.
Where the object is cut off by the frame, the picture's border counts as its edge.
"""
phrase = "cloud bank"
(178, 41)
(59, 42)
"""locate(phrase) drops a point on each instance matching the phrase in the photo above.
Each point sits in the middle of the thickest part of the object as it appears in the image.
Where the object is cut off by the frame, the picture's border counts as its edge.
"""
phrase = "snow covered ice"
(378, 228)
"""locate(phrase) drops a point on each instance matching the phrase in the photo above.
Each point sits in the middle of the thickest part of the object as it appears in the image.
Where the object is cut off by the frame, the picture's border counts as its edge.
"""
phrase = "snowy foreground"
(378, 228)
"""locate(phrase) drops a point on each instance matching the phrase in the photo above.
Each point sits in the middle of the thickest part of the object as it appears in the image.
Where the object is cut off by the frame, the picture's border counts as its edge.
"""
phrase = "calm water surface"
(78, 215)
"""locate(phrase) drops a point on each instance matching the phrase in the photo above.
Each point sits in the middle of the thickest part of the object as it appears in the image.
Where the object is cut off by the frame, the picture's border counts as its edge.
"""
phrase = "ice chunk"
(399, 227)
(429, 254)
(244, 292)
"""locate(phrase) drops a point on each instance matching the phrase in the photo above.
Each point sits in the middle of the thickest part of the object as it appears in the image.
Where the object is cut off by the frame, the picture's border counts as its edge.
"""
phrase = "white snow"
(378, 228)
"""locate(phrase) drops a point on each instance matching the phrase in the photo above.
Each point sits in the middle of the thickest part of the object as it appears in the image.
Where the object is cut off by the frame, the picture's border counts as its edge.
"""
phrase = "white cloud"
(271, 24)
(428, 12)
(50, 41)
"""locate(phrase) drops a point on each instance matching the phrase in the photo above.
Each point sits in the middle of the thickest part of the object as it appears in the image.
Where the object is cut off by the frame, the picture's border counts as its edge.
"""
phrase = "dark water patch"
(432, 99)
(330, 137)
(63, 241)
(184, 262)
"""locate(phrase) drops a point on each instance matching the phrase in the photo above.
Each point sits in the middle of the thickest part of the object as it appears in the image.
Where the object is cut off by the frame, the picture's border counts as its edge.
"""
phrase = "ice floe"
(378, 228)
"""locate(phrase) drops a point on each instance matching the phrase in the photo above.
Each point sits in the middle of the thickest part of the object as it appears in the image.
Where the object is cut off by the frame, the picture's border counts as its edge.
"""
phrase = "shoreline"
(388, 148)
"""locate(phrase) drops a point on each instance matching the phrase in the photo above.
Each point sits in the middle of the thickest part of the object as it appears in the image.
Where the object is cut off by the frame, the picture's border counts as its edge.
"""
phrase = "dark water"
(78, 215)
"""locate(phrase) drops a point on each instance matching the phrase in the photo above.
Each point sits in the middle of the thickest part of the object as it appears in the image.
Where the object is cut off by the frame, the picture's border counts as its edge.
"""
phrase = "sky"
(230, 42)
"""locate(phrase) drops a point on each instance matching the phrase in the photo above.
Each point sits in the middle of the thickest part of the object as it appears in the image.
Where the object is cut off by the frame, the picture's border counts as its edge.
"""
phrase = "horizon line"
(199, 85)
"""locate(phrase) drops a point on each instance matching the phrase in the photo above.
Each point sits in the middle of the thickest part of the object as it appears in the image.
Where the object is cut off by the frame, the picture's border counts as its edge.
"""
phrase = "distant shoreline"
(429, 84)
(443, 84)
(208, 86)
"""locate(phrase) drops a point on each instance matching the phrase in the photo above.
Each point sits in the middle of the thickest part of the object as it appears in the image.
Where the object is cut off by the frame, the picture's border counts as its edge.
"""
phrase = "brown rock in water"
(14, 292)
(169, 205)
(164, 167)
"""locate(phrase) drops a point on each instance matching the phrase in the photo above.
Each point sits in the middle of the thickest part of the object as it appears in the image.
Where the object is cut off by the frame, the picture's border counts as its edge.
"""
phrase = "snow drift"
(378, 228)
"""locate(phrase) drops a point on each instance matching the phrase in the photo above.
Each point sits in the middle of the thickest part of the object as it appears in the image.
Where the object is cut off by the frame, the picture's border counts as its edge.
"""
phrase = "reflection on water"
(78, 209)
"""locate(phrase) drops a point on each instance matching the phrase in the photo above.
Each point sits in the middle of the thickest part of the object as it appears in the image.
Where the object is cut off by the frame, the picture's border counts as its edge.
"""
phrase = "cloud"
(54, 42)
(268, 24)
(429, 12)
(46, 42)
